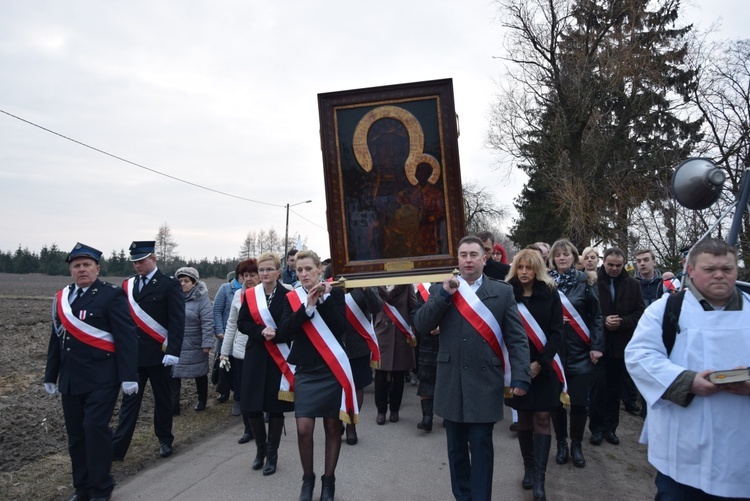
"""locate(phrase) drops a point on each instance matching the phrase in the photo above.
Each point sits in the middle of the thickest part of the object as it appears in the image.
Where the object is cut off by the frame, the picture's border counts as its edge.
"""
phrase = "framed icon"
(392, 177)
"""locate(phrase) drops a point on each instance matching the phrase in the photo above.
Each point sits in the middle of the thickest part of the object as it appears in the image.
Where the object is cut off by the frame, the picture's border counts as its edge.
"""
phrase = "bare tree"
(247, 249)
(165, 244)
(481, 209)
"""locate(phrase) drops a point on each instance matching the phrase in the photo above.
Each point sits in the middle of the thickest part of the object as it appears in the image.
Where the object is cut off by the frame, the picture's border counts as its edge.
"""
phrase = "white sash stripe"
(526, 314)
(479, 307)
(80, 325)
(145, 318)
(574, 313)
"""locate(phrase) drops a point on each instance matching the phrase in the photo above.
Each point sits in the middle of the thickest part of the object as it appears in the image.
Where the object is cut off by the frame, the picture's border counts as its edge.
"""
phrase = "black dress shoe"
(245, 438)
(201, 405)
(78, 497)
(380, 419)
(222, 398)
(612, 438)
(165, 450)
(596, 438)
(101, 499)
(393, 417)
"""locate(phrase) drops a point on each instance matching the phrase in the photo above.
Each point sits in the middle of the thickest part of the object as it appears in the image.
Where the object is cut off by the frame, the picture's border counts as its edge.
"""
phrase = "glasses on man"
(266, 270)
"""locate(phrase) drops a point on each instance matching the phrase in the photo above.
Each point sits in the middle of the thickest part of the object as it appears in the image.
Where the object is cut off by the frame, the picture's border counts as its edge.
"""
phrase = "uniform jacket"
(199, 334)
(469, 386)
(395, 352)
(628, 304)
(163, 300)
(79, 368)
(574, 352)
(303, 354)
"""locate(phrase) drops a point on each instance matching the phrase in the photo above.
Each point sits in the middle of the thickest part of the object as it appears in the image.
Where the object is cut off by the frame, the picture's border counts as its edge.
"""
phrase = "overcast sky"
(224, 95)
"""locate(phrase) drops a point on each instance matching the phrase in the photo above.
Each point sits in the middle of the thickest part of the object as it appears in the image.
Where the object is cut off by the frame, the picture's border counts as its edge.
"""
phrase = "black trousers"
(606, 384)
(389, 390)
(471, 468)
(160, 378)
(90, 440)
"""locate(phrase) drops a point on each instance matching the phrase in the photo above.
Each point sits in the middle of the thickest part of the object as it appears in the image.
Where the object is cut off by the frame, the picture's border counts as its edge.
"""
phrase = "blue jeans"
(668, 489)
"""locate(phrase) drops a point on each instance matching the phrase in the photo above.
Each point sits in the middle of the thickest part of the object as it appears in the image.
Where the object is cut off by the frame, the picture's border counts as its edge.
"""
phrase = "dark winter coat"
(628, 304)
(395, 352)
(574, 352)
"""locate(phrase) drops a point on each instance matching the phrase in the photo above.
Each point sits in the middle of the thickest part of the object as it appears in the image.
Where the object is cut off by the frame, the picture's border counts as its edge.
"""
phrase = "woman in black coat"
(317, 391)
(578, 355)
(261, 376)
(537, 298)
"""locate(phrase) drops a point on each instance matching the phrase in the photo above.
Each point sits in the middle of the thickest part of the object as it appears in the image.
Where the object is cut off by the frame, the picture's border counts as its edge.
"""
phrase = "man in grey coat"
(480, 332)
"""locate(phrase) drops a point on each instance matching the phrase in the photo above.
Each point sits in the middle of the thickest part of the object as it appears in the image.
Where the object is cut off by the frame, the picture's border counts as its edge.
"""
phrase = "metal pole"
(739, 211)
(286, 236)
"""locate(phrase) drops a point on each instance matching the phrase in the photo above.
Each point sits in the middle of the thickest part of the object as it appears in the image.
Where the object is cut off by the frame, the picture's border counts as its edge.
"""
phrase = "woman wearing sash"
(316, 313)
(537, 297)
(581, 347)
(261, 374)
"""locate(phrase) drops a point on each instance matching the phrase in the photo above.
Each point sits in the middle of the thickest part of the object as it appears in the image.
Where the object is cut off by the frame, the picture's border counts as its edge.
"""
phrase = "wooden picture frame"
(392, 179)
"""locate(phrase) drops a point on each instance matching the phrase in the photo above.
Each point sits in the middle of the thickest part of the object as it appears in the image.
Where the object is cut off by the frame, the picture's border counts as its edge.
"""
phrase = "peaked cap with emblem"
(83, 250)
(142, 249)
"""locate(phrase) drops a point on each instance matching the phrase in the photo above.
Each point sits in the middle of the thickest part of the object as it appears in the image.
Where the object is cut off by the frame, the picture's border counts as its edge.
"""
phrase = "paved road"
(391, 462)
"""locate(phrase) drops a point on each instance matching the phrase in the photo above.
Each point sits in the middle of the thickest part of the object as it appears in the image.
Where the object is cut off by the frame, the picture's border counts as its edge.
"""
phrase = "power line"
(143, 166)
(312, 223)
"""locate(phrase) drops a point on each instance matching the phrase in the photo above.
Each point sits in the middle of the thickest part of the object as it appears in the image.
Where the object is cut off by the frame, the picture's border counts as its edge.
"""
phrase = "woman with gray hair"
(197, 341)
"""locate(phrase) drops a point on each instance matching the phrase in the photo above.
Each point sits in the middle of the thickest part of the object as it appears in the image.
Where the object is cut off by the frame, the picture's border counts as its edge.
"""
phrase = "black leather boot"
(526, 441)
(259, 433)
(308, 486)
(426, 423)
(560, 424)
(329, 487)
(541, 455)
(577, 427)
(275, 425)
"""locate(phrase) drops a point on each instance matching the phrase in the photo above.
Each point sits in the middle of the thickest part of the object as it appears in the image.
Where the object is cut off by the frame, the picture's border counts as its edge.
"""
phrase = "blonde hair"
(308, 254)
(270, 256)
(534, 259)
(559, 246)
(589, 249)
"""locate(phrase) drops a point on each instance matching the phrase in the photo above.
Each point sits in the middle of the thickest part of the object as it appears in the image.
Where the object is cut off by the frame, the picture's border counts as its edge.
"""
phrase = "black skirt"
(543, 396)
(361, 371)
(317, 393)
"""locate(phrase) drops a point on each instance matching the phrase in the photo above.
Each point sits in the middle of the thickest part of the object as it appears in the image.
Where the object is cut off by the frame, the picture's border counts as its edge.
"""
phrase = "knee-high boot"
(526, 442)
(259, 433)
(577, 427)
(275, 426)
(426, 423)
(541, 455)
(560, 424)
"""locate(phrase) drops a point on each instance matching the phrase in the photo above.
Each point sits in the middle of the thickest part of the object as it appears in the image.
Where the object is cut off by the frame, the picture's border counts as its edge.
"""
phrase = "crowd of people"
(546, 332)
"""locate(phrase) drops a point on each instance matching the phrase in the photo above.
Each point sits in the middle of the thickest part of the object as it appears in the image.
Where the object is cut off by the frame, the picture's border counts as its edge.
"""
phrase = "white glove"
(129, 387)
(170, 360)
(224, 364)
(50, 388)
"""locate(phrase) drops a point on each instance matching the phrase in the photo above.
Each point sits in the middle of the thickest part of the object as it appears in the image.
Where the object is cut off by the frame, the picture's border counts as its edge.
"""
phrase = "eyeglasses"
(266, 270)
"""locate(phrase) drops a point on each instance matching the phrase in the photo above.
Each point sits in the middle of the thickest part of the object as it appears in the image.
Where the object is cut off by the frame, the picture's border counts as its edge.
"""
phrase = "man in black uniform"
(92, 353)
(157, 306)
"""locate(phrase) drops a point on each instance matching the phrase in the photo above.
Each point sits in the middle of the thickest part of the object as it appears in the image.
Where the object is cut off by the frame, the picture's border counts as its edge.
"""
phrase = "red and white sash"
(329, 348)
(400, 323)
(481, 318)
(80, 329)
(142, 319)
(364, 328)
(576, 321)
(256, 303)
(423, 289)
(539, 339)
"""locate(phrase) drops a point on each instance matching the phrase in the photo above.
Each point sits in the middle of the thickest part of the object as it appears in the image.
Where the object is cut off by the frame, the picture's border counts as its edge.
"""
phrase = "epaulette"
(108, 284)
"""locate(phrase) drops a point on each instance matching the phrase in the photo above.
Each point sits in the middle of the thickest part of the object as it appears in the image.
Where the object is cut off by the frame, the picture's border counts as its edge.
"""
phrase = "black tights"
(305, 429)
(538, 421)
